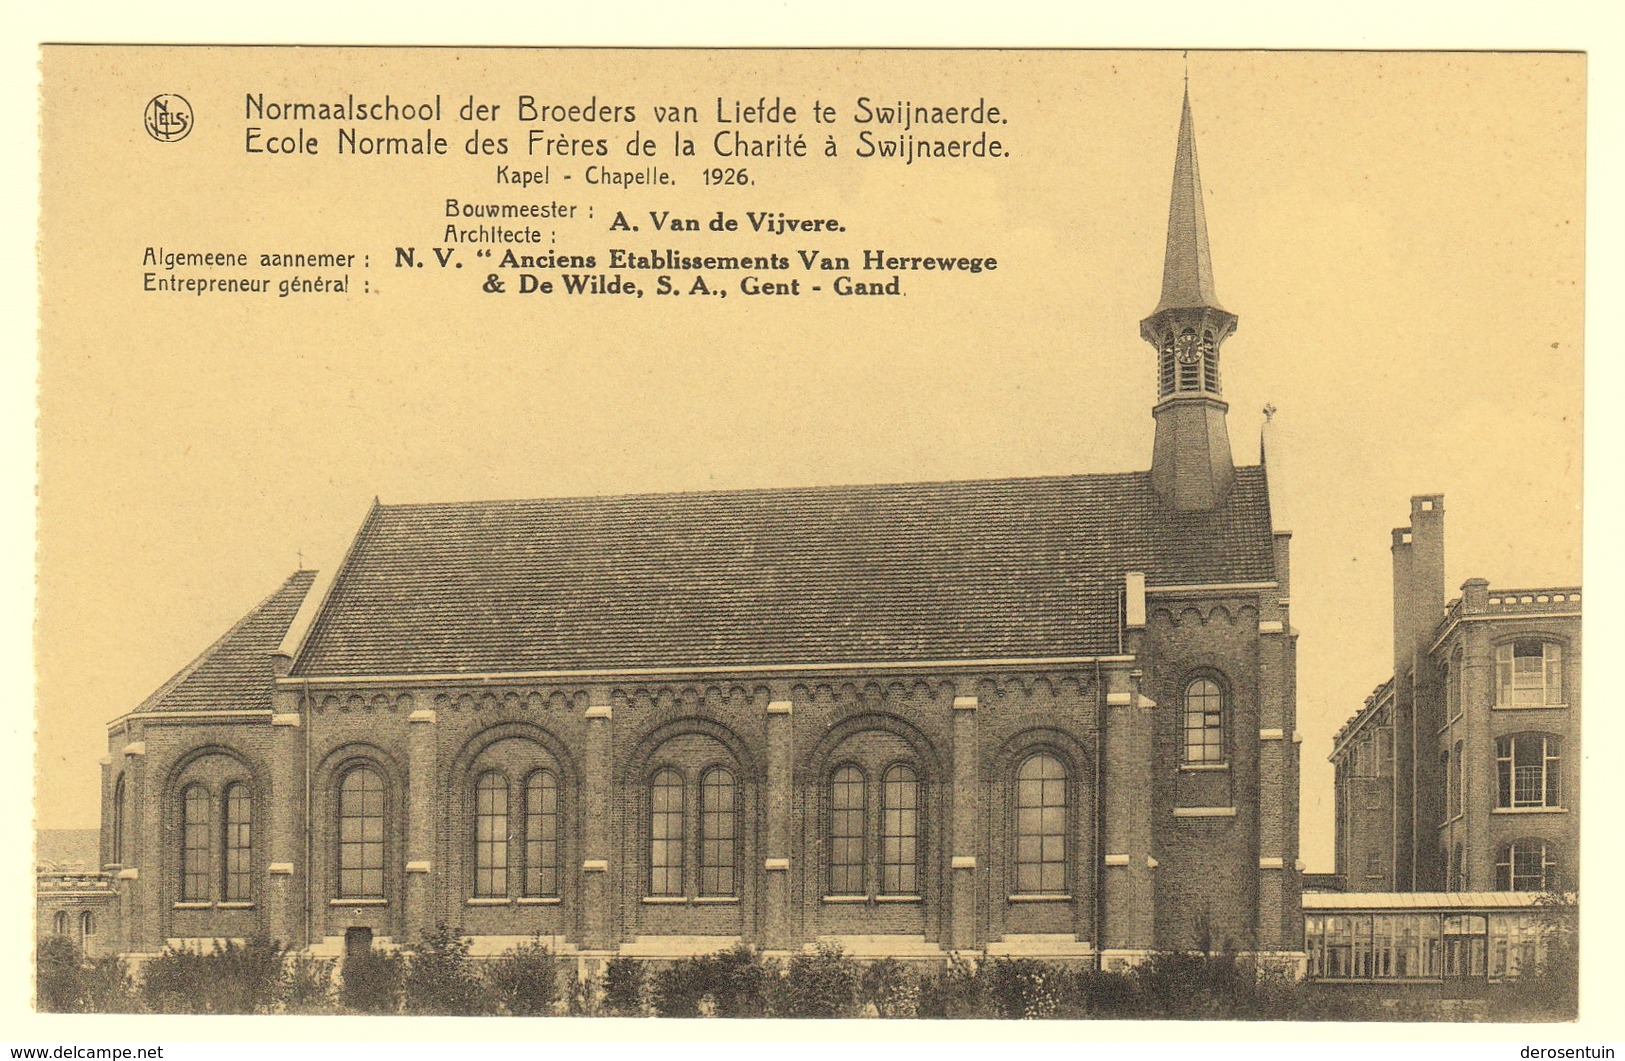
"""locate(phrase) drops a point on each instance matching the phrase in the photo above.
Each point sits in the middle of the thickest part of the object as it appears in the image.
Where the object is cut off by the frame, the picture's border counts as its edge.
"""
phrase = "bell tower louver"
(1191, 466)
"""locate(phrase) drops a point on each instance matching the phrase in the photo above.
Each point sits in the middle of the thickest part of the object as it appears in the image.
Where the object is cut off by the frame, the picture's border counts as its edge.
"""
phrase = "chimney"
(1404, 644)
(1427, 568)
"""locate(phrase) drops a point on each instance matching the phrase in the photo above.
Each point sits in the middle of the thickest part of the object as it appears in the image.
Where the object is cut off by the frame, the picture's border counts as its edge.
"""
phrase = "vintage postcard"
(903, 534)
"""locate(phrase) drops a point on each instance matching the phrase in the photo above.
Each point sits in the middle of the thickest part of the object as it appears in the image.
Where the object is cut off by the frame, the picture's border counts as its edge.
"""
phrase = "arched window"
(118, 821)
(491, 836)
(1204, 722)
(718, 832)
(1165, 362)
(87, 924)
(1528, 673)
(1456, 767)
(666, 834)
(59, 923)
(1527, 770)
(195, 844)
(239, 875)
(1527, 865)
(1041, 826)
(361, 834)
(1452, 677)
(1210, 361)
(541, 835)
(899, 831)
(846, 832)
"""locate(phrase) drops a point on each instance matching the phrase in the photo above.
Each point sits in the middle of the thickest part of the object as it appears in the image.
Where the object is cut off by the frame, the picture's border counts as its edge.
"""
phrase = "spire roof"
(1187, 270)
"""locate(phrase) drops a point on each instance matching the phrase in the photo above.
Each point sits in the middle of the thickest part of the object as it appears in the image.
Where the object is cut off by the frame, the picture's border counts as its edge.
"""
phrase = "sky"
(1401, 236)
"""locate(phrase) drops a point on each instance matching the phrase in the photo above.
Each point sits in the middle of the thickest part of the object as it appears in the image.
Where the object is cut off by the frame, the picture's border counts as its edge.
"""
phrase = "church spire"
(1191, 466)
(1187, 267)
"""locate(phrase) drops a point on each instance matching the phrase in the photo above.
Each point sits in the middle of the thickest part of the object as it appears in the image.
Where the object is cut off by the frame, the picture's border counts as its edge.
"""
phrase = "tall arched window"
(59, 923)
(1453, 684)
(361, 834)
(541, 835)
(1041, 826)
(1455, 786)
(195, 844)
(899, 831)
(87, 924)
(1527, 770)
(239, 842)
(666, 806)
(1204, 722)
(846, 832)
(118, 821)
(1527, 865)
(719, 832)
(491, 836)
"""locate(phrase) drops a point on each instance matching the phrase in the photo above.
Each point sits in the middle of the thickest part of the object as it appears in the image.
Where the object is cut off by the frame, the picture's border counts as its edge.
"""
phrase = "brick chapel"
(1036, 716)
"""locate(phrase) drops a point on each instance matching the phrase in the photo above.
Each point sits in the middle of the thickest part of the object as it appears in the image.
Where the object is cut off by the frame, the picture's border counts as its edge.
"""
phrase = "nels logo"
(168, 118)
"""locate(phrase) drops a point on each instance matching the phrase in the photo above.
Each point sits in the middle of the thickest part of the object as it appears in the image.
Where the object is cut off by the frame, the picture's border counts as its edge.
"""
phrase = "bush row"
(436, 975)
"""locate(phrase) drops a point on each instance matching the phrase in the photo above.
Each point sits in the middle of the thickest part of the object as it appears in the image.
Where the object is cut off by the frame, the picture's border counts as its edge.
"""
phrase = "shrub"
(741, 982)
(891, 988)
(1549, 991)
(1553, 992)
(57, 975)
(370, 982)
(955, 992)
(677, 989)
(625, 984)
(1102, 994)
(1183, 985)
(105, 986)
(525, 980)
(1275, 993)
(232, 978)
(68, 982)
(732, 983)
(822, 984)
(1021, 988)
(251, 973)
(307, 985)
(175, 982)
(440, 978)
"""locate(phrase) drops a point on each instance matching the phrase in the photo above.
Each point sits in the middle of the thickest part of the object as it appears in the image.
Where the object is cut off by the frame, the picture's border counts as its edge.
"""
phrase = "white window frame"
(1528, 687)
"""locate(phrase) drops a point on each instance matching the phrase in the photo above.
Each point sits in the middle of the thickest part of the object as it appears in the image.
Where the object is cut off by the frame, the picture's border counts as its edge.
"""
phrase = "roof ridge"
(179, 677)
(768, 490)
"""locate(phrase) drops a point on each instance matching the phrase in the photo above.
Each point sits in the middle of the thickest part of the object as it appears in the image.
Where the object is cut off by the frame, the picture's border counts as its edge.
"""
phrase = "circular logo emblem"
(169, 117)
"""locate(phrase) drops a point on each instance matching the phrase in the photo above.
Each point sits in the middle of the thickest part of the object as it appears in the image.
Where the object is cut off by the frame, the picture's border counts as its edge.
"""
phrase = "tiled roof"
(234, 673)
(992, 569)
(67, 849)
